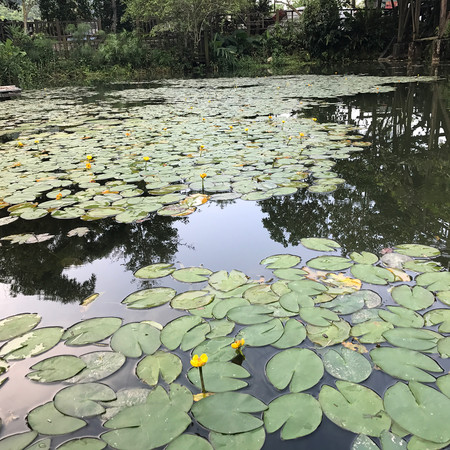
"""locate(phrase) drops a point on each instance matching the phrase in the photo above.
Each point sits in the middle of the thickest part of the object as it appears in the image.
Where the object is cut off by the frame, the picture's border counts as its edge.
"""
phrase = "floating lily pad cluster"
(330, 323)
(71, 158)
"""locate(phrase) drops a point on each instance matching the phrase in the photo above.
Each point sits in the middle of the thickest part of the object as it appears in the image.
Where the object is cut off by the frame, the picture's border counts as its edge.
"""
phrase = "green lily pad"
(412, 338)
(354, 408)
(219, 376)
(422, 266)
(17, 441)
(437, 281)
(363, 442)
(220, 309)
(250, 314)
(320, 244)
(401, 317)
(229, 412)
(174, 332)
(164, 364)
(154, 271)
(189, 442)
(262, 334)
(149, 298)
(261, 294)
(125, 397)
(301, 369)
(405, 364)
(220, 328)
(444, 297)
(82, 400)
(330, 262)
(226, 282)
(217, 349)
(293, 301)
(438, 316)
(99, 365)
(390, 441)
(443, 347)
(291, 274)
(14, 326)
(91, 330)
(372, 274)
(56, 368)
(335, 333)
(46, 419)
(191, 300)
(345, 364)
(364, 258)
(136, 338)
(415, 443)
(318, 316)
(412, 297)
(417, 250)
(251, 440)
(191, 274)
(294, 334)
(307, 287)
(419, 409)
(86, 443)
(281, 261)
(31, 344)
(150, 425)
(371, 331)
(298, 414)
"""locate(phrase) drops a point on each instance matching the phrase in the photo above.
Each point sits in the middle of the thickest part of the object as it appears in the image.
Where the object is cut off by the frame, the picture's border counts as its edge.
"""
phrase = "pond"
(144, 224)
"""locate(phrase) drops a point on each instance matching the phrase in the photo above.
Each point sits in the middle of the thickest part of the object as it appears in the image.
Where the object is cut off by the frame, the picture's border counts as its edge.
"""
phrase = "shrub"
(15, 66)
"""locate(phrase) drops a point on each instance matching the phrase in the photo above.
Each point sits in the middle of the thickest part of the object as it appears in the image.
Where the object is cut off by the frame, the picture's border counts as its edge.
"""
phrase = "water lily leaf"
(131, 215)
(191, 275)
(372, 331)
(415, 443)
(372, 274)
(31, 344)
(417, 250)
(251, 440)
(438, 281)
(364, 257)
(443, 384)
(226, 282)
(14, 326)
(249, 315)
(363, 442)
(336, 333)
(262, 334)
(298, 414)
(291, 274)
(318, 316)
(345, 364)
(301, 369)
(330, 263)
(167, 365)
(401, 317)
(364, 315)
(81, 400)
(412, 338)
(422, 266)
(191, 300)
(154, 271)
(173, 333)
(443, 347)
(17, 238)
(438, 316)
(136, 338)
(217, 349)
(293, 301)
(444, 297)
(91, 330)
(99, 365)
(260, 295)
(125, 397)
(16, 441)
(150, 425)
(390, 441)
(394, 260)
(307, 287)
(195, 336)
(220, 309)
(219, 376)
(56, 368)
(320, 244)
(412, 297)
(229, 412)
(189, 442)
(419, 409)
(350, 303)
(405, 364)
(281, 261)
(354, 408)
(46, 419)
(86, 443)
(220, 328)
(149, 298)
(33, 213)
(294, 334)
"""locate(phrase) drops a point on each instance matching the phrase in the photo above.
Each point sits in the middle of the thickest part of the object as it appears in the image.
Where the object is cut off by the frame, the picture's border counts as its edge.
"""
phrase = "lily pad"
(301, 369)
(401, 317)
(136, 338)
(346, 364)
(412, 338)
(294, 334)
(251, 440)
(86, 443)
(262, 334)
(281, 261)
(335, 333)
(164, 364)
(17, 441)
(249, 315)
(331, 262)
(417, 250)
(371, 331)
(437, 281)
(154, 271)
(192, 274)
(372, 274)
(320, 244)
(298, 414)
(224, 281)
(149, 298)
(189, 442)
(191, 300)
(56, 368)
(415, 298)
(174, 332)
(14, 326)
(364, 258)
(354, 408)
(91, 330)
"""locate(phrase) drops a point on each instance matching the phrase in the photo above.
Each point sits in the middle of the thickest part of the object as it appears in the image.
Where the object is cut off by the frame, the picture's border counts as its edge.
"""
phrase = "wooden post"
(443, 18)
(415, 16)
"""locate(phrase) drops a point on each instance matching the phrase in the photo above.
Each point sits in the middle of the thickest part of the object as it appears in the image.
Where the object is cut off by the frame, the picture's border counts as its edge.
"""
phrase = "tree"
(191, 17)
(65, 10)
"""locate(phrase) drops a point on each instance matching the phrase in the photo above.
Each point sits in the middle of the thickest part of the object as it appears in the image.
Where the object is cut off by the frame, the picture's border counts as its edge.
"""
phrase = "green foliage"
(9, 14)
(123, 48)
(15, 67)
(65, 10)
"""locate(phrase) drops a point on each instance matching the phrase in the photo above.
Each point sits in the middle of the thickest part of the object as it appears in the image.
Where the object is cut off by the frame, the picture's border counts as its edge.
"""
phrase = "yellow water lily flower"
(19, 144)
(88, 165)
(315, 119)
(203, 175)
(238, 343)
(199, 361)
(146, 158)
(89, 157)
(36, 141)
(59, 196)
(302, 135)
